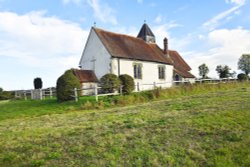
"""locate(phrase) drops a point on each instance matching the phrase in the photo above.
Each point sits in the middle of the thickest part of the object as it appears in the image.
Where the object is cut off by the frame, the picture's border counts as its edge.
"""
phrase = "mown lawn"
(33, 108)
(205, 129)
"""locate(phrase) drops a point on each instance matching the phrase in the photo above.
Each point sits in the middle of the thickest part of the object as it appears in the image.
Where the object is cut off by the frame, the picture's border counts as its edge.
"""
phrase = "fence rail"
(35, 93)
(97, 91)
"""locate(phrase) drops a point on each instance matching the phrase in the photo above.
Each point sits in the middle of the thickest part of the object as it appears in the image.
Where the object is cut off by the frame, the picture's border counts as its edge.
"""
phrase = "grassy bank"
(30, 108)
(198, 127)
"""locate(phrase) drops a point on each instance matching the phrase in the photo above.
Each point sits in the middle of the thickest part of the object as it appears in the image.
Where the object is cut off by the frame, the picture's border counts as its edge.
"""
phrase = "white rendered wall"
(181, 79)
(95, 56)
(149, 73)
(90, 88)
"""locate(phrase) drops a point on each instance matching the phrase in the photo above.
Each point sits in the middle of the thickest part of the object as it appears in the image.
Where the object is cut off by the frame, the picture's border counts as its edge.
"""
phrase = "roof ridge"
(130, 47)
(115, 33)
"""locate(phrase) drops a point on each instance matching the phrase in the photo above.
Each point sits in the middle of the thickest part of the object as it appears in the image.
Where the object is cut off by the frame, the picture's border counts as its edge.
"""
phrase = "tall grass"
(174, 92)
(186, 126)
(30, 108)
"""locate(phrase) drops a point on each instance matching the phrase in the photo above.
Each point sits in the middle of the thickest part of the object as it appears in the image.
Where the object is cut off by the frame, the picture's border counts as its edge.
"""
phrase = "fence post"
(154, 85)
(25, 97)
(121, 90)
(76, 96)
(50, 93)
(138, 88)
(96, 94)
(32, 94)
(44, 94)
(41, 94)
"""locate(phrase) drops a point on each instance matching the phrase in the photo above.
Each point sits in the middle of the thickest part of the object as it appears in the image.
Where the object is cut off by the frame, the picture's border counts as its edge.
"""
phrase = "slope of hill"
(209, 129)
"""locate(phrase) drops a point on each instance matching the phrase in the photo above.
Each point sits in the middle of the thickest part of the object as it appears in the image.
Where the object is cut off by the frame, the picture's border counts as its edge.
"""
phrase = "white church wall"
(190, 80)
(181, 79)
(150, 77)
(95, 56)
(88, 88)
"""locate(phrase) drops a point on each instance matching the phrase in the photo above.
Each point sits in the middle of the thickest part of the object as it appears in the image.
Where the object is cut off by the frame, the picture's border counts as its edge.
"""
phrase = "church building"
(140, 57)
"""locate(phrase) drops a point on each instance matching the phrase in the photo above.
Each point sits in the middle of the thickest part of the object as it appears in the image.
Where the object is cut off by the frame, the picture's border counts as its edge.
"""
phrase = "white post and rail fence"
(97, 91)
(36, 94)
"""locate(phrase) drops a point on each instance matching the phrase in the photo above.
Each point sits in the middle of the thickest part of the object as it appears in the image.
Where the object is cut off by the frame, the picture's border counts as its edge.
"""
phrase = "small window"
(161, 72)
(138, 71)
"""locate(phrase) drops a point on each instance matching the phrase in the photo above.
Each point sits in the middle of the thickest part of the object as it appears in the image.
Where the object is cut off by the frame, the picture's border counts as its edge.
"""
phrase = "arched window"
(177, 77)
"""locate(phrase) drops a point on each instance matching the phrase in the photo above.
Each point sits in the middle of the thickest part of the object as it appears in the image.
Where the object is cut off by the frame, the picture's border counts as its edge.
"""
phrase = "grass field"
(209, 128)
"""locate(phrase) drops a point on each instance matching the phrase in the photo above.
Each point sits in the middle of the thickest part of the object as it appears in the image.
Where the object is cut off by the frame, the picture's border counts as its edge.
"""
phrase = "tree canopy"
(242, 77)
(38, 84)
(128, 84)
(110, 83)
(203, 70)
(224, 71)
(65, 86)
(244, 63)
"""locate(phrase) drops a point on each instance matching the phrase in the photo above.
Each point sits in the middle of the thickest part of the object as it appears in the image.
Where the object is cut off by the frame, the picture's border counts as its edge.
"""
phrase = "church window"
(161, 72)
(138, 71)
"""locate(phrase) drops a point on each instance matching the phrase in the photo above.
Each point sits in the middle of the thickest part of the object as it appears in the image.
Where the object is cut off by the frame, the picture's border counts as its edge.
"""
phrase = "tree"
(224, 71)
(38, 84)
(110, 83)
(65, 85)
(242, 77)
(203, 70)
(244, 63)
(5, 95)
(128, 84)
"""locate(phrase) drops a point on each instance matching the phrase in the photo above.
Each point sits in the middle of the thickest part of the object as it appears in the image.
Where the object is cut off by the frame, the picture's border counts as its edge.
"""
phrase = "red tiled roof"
(180, 66)
(85, 75)
(128, 47)
(185, 74)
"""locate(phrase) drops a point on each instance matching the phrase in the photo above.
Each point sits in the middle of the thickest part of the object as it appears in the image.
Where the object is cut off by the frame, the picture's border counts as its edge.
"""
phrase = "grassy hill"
(209, 128)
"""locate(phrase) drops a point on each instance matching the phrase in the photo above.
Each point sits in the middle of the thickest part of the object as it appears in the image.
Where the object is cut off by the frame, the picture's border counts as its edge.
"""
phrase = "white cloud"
(226, 46)
(140, 1)
(216, 21)
(225, 15)
(237, 2)
(158, 19)
(73, 1)
(103, 12)
(39, 43)
(163, 30)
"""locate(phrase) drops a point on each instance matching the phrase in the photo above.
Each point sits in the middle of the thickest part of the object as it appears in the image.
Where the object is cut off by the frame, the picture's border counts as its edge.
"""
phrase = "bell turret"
(146, 34)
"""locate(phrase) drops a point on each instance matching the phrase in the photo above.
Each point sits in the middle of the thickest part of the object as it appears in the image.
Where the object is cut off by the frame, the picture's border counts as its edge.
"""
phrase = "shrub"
(65, 86)
(128, 84)
(110, 83)
(38, 84)
(242, 77)
(5, 95)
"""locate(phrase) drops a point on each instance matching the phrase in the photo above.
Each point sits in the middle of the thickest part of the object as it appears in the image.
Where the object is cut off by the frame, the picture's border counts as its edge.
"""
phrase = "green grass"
(205, 127)
(32, 108)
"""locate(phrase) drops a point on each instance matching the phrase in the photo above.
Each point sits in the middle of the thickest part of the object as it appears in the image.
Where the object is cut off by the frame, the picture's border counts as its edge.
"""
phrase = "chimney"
(165, 43)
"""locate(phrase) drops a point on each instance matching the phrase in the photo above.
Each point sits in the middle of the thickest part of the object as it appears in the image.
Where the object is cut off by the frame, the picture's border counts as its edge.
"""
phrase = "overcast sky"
(43, 38)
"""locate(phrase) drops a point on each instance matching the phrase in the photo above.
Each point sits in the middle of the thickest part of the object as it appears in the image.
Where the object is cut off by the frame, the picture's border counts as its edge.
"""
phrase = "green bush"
(128, 84)
(4, 95)
(242, 77)
(65, 86)
(38, 84)
(110, 83)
